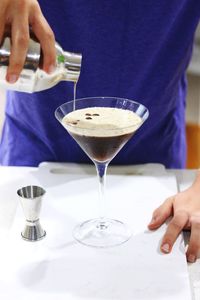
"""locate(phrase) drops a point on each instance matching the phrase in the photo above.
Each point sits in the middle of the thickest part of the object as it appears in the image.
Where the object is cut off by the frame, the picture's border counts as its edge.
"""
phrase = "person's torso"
(133, 49)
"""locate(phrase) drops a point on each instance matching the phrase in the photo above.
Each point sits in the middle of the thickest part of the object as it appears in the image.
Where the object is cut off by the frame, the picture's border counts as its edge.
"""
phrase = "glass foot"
(102, 233)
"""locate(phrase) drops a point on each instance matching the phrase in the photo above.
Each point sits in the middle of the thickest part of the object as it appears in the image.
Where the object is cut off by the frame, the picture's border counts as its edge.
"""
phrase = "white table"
(184, 179)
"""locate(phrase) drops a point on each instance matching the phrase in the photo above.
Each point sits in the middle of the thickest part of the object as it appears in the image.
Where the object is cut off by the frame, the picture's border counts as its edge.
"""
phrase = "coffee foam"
(101, 121)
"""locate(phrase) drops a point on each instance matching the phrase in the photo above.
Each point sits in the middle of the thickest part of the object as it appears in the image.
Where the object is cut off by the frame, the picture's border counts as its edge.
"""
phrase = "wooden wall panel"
(193, 145)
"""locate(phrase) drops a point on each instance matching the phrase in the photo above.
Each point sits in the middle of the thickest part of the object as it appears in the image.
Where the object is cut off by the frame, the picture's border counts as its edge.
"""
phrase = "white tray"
(60, 268)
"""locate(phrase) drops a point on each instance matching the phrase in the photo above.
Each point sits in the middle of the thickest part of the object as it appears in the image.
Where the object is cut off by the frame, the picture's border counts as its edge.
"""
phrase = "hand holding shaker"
(33, 78)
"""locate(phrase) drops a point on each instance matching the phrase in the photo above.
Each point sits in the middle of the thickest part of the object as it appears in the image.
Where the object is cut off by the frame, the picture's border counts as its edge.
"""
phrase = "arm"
(184, 208)
(17, 16)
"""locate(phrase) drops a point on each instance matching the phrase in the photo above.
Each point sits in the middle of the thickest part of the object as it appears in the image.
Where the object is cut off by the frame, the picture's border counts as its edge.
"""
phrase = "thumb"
(161, 214)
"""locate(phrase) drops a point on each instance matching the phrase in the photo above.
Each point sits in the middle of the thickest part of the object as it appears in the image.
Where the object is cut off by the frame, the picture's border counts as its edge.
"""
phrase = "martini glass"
(102, 126)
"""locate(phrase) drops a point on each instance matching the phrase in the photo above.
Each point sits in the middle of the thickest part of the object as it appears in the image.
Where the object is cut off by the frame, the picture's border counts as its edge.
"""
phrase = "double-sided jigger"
(31, 200)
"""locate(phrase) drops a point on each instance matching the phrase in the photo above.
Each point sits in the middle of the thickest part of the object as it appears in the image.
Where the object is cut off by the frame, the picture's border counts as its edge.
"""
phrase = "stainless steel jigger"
(31, 200)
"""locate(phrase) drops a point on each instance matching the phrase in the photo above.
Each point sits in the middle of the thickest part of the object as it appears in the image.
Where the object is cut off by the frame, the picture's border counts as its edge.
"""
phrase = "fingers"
(19, 16)
(2, 22)
(2, 26)
(20, 41)
(161, 214)
(174, 228)
(193, 250)
(46, 38)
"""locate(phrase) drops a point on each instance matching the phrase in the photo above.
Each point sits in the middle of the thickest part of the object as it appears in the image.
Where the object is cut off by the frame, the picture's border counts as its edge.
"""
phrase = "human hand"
(184, 208)
(18, 16)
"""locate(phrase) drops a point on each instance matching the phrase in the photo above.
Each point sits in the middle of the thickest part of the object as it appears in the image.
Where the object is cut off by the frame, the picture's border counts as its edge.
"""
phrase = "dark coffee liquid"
(101, 149)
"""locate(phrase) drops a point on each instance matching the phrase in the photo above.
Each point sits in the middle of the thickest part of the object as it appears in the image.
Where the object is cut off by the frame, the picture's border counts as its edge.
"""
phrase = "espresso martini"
(102, 126)
(101, 131)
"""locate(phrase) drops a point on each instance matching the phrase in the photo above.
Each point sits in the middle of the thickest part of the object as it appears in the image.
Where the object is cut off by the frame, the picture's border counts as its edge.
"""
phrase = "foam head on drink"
(101, 121)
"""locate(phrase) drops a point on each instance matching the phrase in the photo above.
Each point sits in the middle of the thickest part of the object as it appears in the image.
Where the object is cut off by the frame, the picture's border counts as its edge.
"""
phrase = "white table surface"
(184, 179)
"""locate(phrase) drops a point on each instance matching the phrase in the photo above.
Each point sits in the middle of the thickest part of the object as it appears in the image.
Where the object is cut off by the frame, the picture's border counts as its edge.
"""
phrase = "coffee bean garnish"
(88, 118)
(87, 114)
(95, 114)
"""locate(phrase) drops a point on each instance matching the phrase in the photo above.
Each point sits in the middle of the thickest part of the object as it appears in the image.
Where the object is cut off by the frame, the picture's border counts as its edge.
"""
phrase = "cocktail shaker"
(33, 78)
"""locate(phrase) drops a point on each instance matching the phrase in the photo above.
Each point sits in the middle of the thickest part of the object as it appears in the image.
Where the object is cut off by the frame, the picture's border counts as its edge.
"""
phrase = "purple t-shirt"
(133, 49)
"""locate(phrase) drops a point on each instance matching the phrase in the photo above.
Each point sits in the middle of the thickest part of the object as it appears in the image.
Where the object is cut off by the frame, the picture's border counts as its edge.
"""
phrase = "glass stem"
(101, 173)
